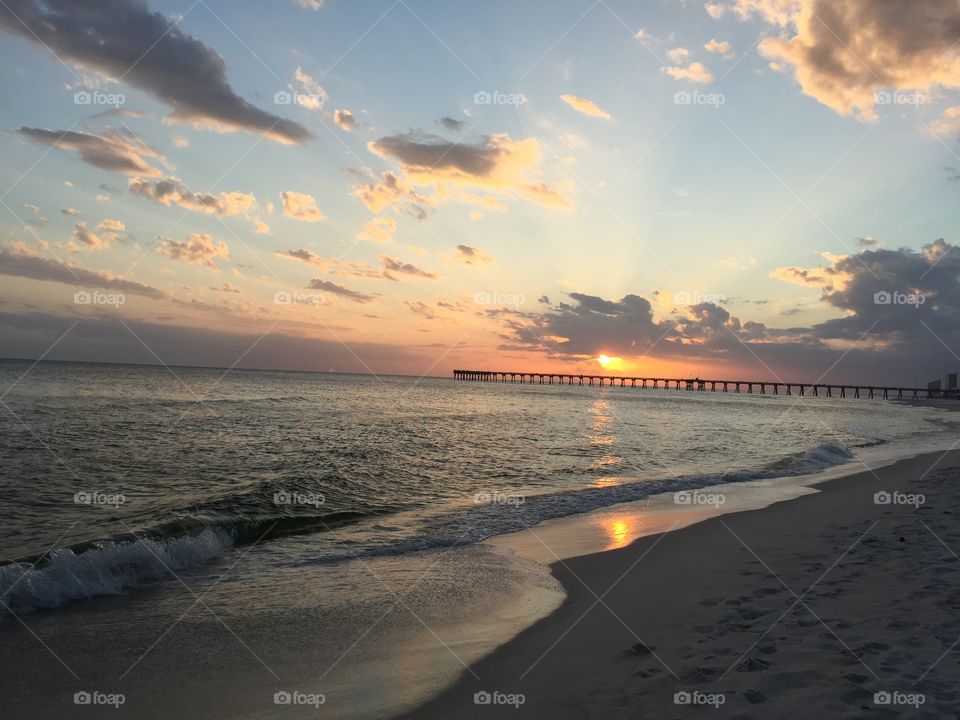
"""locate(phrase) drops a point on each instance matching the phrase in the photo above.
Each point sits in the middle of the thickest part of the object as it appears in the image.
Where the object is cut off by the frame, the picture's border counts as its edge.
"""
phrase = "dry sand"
(807, 608)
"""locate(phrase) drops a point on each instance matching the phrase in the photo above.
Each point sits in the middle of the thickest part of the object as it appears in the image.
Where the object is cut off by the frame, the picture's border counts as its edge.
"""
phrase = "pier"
(758, 387)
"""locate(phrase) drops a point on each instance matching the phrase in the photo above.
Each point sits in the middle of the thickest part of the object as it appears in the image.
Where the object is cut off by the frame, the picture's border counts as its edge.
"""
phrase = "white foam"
(104, 570)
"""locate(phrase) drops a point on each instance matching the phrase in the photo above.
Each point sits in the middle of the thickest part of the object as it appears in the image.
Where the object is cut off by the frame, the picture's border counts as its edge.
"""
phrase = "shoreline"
(605, 621)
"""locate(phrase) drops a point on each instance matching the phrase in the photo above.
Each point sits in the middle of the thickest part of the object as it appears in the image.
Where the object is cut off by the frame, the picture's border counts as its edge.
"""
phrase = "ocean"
(331, 525)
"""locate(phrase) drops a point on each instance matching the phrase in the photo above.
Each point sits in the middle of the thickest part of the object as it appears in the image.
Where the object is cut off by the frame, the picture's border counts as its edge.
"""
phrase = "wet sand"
(828, 605)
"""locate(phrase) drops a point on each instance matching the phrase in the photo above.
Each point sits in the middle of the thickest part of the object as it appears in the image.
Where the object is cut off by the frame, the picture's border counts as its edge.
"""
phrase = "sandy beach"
(840, 603)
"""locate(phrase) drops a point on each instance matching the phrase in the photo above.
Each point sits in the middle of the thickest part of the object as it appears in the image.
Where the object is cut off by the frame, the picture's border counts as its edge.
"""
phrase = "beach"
(834, 604)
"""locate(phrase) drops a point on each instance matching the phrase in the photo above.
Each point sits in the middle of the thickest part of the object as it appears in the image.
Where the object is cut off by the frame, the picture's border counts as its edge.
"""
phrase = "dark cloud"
(394, 265)
(335, 289)
(421, 308)
(124, 39)
(93, 339)
(850, 54)
(900, 321)
(451, 124)
(117, 152)
(416, 150)
(36, 267)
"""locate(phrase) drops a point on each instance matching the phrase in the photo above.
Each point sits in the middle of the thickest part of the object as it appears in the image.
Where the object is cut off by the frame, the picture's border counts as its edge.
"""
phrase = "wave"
(106, 569)
(109, 567)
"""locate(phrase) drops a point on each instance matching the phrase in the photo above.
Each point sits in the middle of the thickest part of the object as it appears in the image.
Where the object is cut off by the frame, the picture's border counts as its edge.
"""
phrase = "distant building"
(933, 385)
(950, 381)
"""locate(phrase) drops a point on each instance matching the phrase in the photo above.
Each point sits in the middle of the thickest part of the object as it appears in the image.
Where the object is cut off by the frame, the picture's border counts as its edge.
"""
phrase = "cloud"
(301, 206)
(778, 12)
(103, 339)
(678, 55)
(313, 97)
(344, 119)
(197, 249)
(948, 123)
(305, 256)
(451, 124)
(84, 238)
(391, 192)
(21, 263)
(310, 4)
(844, 54)
(719, 47)
(467, 255)
(420, 308)
(394, 265)
(378, 230)
(694, 72)
(70, 212)
(123, 39)
(171, 191)
(587, 107)
(225, 288)
(335, 289)
(31, 208)
(111, 151)
(494, 164)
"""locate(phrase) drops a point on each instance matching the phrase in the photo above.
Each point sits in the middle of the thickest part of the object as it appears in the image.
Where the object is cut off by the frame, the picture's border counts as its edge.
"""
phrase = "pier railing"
(700, 385)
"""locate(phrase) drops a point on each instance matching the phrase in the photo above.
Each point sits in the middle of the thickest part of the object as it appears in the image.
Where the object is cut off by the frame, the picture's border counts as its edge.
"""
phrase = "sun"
(604, 360)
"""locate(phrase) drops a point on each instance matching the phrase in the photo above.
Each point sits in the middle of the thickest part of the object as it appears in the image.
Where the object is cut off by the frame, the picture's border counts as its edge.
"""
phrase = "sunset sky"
(416, 186)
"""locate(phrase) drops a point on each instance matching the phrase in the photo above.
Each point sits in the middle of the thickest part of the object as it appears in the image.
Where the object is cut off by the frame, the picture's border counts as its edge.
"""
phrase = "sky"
(756, 189)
